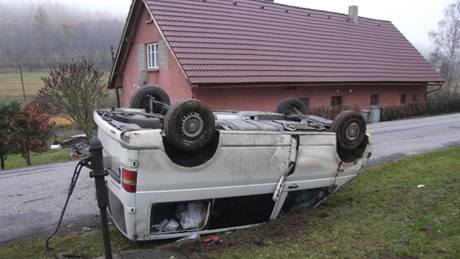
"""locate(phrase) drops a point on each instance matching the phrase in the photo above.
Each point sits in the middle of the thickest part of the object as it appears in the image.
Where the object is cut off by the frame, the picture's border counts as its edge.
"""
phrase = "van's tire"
(350, 128)
(141, 99)
(189, 125)
(290, 105)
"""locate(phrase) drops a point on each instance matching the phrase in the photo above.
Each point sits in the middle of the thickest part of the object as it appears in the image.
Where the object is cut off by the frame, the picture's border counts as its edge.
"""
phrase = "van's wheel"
(189, 125)
(350, 128)
(292, 106)
(150, 98)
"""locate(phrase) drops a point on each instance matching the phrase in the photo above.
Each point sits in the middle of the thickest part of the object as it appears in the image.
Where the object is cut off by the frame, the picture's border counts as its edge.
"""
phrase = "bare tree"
(74, 90)
(41, 26)
(67, 35)
(447, 43)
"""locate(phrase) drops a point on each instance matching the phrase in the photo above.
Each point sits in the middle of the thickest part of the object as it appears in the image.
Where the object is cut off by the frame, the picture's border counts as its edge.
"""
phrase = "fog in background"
(90, 27)
(43, 34)
(414, 18)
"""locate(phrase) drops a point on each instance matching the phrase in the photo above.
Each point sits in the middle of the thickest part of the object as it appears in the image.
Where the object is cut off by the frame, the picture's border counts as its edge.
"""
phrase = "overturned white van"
(182, 169)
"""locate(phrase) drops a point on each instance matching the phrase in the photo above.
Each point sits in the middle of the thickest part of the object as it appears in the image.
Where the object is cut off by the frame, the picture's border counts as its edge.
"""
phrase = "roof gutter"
(437, 87)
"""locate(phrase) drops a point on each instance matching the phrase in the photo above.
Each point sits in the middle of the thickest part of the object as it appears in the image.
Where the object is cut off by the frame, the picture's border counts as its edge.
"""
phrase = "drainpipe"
(118, 97)
(194, 88)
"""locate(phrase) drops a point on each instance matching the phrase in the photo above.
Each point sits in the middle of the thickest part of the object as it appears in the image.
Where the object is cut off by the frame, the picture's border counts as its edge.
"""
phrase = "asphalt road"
(32, 198)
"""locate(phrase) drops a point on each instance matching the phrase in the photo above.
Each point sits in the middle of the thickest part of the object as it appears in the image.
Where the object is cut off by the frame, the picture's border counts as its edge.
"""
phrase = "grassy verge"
(50, 157)
(380, 215)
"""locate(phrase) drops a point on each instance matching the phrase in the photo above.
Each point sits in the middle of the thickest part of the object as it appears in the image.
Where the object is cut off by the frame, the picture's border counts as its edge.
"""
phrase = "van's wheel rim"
(352, 132)
(191, 125)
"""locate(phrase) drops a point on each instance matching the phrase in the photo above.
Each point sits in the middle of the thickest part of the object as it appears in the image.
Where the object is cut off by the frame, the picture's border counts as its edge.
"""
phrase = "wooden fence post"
(22, 82)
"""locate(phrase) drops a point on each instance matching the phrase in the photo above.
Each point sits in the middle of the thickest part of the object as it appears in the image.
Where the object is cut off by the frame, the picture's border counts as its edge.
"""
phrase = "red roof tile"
(217, 41)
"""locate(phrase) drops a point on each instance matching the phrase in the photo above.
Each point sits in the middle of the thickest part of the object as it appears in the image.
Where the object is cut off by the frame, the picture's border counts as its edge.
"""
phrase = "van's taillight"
(128, 180)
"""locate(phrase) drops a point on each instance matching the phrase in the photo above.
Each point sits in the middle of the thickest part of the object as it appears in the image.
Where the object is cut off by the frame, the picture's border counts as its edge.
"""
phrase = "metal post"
(99, 174)
(22, 82)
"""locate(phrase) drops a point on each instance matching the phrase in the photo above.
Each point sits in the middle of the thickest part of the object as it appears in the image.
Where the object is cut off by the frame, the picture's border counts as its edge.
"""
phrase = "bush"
(30, 128)
(447, 104)
(74, 90)
(8, 111)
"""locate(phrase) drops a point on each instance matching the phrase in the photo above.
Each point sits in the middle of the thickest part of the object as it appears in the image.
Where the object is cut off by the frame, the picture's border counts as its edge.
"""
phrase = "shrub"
(331, 111)
(8, 111)
(30, 128)
(75, 90)
(447, 104)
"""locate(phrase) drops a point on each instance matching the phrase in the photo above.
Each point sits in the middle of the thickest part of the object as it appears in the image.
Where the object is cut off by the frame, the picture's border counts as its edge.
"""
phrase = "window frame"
(337, 101)
(152, 55)
(403, 99)
(374, 99)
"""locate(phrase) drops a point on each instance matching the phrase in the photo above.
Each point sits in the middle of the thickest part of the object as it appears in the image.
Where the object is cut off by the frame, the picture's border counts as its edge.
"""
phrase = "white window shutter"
(162, 54)
(141, 56)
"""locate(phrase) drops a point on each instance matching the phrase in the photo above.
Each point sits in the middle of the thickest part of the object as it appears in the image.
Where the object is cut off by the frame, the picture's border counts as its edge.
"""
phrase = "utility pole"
(22, 82)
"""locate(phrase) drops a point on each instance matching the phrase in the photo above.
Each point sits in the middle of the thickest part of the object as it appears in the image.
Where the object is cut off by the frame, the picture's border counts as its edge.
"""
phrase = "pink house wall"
(170, 78)
(173, 81)
(267, 98)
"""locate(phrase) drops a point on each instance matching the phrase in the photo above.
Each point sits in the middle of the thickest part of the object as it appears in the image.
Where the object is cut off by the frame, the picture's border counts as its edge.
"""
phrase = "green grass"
(50, 157)
(10, 84)
(380, 215)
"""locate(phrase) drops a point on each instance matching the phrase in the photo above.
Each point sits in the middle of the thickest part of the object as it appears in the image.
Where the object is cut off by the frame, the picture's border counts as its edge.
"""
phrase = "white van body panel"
(246, 163)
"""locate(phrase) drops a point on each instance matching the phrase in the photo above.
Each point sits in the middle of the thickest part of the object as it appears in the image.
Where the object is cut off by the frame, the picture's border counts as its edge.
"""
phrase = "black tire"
(350, 128)
(350, 156)
(141, 99)
(292, 106)
(189, 125)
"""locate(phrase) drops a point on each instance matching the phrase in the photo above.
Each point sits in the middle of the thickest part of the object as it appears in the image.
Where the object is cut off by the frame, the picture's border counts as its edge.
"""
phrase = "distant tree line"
(51, 33)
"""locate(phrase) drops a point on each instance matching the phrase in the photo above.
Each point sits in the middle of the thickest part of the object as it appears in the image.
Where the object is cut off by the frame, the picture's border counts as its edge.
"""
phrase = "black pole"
(99, 174)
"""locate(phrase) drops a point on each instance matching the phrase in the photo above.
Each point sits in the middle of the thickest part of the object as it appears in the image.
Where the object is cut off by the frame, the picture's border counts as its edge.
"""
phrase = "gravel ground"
(32, 198)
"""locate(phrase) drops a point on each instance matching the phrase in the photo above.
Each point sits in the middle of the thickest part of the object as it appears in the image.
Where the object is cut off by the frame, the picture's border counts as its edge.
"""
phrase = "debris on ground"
(79, 151)
(73, 140)
(166, 226)
(213, 240)
(192, 215)
(55, 147)
(190, 237)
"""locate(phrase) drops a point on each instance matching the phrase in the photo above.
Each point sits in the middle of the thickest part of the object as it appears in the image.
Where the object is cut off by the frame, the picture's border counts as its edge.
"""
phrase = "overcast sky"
(414, 18)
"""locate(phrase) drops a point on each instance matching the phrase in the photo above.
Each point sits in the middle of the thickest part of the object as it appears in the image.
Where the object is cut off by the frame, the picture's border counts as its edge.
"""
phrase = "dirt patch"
(286, 227)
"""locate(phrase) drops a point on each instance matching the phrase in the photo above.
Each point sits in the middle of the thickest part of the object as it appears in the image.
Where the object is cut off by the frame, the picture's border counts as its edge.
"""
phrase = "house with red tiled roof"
(251, 54)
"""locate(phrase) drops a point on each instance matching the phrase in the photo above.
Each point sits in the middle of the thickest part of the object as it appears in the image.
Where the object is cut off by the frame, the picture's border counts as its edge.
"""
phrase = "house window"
(306, 101)
(152, 56)
(402, 100)
(336, 100)
(415, 98)
(374, 99)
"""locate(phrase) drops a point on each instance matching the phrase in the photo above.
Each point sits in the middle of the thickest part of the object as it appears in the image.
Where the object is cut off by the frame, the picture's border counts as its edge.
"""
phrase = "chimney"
(353, 13)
